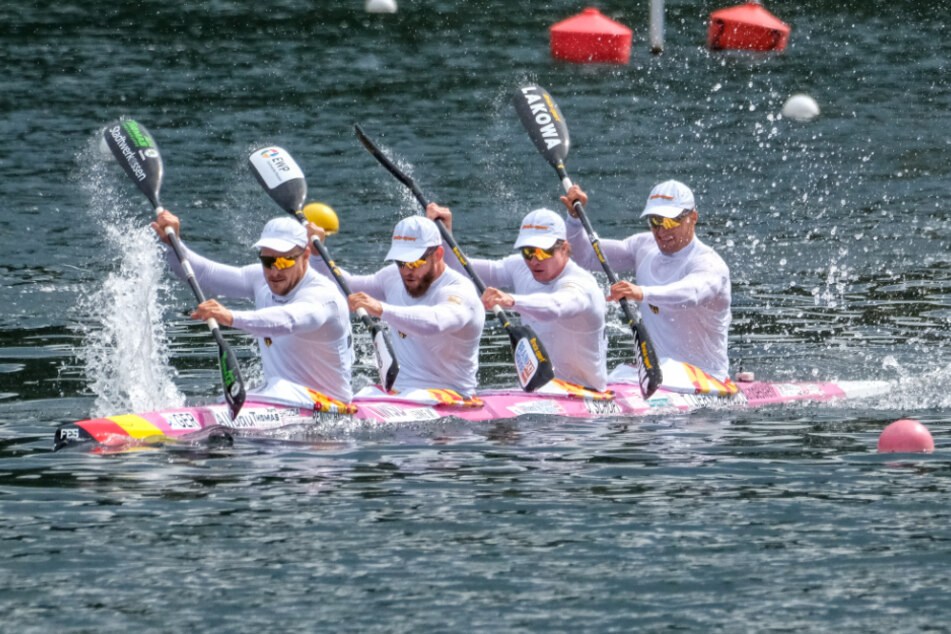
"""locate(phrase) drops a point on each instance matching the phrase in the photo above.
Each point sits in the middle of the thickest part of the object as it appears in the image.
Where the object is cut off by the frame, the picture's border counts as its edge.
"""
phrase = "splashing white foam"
(125, 351)
(917, 391)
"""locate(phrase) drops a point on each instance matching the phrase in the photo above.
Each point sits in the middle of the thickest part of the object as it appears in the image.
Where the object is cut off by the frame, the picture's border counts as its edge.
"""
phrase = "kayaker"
(553, 295)
(300, 320)
(434, 310)
(683, 284)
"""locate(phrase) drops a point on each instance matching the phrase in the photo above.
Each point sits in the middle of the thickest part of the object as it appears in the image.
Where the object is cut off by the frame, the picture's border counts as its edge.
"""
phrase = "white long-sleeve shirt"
(304, 336)
(686, 305)
(437, 335)
(566, 313)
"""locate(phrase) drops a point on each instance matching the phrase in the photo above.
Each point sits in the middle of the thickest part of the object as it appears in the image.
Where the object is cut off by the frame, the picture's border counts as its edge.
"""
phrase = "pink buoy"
(905, 436)
(747, 27)
(590, 36)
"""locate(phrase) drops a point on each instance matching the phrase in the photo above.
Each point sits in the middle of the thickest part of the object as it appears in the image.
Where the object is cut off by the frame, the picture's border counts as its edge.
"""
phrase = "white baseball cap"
(411, 237)
(669, 199)
(282, 235)
(541, 228)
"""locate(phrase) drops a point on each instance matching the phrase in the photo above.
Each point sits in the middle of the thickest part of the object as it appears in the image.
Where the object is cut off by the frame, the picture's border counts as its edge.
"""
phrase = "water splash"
(918, 391)
(126, 349)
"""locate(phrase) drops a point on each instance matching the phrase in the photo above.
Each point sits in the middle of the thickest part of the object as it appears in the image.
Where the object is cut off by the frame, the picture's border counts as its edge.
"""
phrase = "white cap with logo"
(411, 237)
(282, 235)
(668, 200)
(541, 228)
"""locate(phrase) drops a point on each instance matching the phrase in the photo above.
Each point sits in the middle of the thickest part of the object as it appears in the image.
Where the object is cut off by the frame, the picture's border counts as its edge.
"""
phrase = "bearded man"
(435, 311)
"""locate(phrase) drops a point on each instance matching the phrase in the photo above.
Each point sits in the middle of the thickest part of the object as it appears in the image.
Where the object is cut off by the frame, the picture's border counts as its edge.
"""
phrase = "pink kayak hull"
(195, 423)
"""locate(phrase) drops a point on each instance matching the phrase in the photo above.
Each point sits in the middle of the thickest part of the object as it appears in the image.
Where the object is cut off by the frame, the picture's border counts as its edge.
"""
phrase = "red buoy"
(905, 436)
(591, 37)
(747, 27)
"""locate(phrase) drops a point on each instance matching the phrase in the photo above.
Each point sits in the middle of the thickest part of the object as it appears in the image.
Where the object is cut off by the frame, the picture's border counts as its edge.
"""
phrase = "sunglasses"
(658, 222)
(278, 262)
(418, 263)
(539, 254)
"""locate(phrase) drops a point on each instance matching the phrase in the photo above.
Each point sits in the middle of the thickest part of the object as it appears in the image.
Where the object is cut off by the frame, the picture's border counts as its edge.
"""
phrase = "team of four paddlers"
(301, 319)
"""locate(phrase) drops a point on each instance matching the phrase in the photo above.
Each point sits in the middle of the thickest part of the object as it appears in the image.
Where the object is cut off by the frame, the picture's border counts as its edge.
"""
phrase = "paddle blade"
(532, 364)
(649, 373)
(280, 176)
(230, 375)
(543, 121)
(385, 357)
(138, 154)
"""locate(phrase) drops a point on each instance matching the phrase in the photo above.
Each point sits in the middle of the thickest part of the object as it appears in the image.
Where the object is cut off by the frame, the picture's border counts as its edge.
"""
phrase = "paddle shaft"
(196, 289)
(187, 267)
(497, 310)
(593, 239)
(532, 363)
(337, 275)
(549, 132)
(645, 348)
(284, 181)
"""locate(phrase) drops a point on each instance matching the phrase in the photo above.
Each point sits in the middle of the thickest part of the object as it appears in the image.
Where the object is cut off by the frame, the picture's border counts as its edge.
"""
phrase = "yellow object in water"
(322, 216)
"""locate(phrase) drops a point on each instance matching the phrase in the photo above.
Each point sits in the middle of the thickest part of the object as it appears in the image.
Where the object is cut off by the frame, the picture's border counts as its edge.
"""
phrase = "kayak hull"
(201, 422)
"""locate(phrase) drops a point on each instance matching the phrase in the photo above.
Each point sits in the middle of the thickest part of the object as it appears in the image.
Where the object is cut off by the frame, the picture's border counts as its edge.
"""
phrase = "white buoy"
(801, 108)
(381, 6)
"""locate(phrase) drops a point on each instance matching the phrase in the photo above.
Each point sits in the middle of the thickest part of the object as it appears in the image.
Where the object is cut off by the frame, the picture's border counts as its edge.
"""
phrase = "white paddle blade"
(275, 166)
(281, 177)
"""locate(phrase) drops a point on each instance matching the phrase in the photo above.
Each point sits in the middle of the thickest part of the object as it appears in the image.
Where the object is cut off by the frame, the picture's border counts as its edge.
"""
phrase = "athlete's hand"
(211, 309)
(164, 219)
(494, 297)
(435, 212)
(315, 231)
(367, 303)
(574, 193)
(626, 290)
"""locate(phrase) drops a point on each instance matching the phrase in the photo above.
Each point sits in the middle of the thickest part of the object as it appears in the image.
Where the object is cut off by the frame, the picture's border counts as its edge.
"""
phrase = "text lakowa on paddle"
(544, 112)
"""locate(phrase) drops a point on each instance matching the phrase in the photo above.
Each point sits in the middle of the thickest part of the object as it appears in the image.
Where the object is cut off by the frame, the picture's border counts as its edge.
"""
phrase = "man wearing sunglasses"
(553, 295)
(300, 320)
(434, 310)
(682, 282)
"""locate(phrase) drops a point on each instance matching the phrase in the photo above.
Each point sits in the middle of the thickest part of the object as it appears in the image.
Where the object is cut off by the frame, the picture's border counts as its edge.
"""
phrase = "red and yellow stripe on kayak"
(451, 397)
(706, 384)
(323, 403)
(114, 429)
(579, 391)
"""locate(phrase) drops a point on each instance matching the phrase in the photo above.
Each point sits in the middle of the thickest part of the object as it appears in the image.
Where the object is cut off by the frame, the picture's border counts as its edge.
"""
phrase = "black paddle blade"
(649, 374)
(280, 176)
(138, 154)
(385, 356)
(230, 376)
(532, 364)
(543, 121)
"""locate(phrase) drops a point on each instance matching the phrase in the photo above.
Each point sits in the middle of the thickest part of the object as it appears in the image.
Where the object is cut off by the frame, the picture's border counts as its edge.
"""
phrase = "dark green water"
(780, 519)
